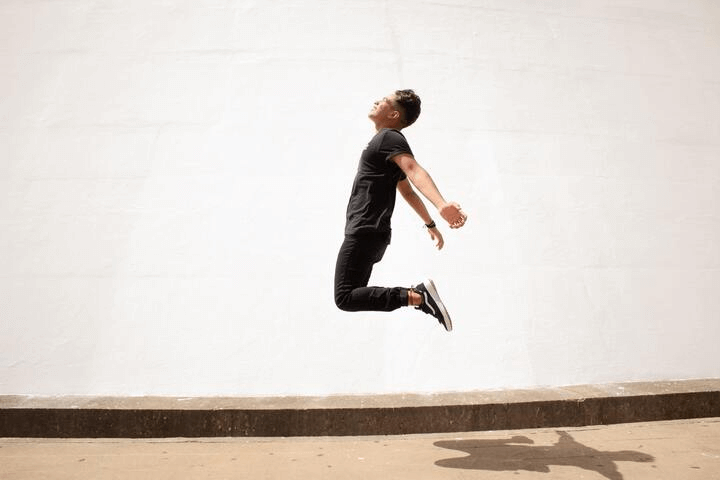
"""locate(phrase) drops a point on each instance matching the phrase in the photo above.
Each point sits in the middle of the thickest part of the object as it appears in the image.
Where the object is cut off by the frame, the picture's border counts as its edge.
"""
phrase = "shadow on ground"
(518, 453)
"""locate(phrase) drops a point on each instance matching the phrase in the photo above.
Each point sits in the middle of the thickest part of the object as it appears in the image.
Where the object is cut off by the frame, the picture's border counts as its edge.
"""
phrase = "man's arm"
(417, 204)
(414, 200)
(419, 177)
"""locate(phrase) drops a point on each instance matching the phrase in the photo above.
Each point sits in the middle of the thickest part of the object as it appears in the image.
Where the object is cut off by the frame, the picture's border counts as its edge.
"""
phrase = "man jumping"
(387, 165)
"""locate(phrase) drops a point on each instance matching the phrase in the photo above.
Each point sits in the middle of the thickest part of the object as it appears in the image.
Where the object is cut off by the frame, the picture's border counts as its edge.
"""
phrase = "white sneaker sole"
(432, 290)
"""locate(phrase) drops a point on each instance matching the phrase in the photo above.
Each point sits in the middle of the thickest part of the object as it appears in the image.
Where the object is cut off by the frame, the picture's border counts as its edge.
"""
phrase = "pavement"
(673, 450)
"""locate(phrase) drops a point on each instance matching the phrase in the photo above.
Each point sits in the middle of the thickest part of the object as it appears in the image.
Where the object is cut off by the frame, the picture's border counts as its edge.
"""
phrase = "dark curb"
(306, 418)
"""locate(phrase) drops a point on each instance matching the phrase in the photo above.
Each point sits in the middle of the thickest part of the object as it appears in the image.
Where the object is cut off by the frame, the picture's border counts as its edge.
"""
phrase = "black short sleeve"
(394, 143)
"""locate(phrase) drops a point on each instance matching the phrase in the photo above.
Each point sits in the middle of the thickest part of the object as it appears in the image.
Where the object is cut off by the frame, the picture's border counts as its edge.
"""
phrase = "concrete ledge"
(160, 417)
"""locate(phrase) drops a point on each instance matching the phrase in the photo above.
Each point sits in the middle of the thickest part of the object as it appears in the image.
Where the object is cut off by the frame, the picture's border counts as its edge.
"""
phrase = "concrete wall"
(174, 176)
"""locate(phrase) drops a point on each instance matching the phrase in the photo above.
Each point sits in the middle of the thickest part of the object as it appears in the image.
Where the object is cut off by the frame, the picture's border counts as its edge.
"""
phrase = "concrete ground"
(677, 450)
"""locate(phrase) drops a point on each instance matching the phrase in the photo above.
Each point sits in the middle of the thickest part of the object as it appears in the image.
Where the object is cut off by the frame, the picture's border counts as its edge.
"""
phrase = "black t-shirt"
(373, 193)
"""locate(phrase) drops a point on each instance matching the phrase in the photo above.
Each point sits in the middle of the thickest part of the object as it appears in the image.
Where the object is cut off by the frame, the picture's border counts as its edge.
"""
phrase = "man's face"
(383, 109)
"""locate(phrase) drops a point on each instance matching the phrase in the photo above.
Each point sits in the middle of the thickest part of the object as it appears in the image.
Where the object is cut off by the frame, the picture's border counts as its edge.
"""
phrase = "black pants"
(355, 261)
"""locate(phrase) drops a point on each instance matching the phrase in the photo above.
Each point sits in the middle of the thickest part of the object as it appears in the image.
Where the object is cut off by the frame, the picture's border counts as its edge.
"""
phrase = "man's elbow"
(415, 174)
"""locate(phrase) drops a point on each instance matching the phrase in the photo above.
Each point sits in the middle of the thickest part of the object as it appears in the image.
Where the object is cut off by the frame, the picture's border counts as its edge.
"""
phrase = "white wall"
(174, 176)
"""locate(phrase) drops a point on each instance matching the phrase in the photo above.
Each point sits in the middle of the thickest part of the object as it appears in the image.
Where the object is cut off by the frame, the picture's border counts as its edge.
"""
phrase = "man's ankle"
(414, 298)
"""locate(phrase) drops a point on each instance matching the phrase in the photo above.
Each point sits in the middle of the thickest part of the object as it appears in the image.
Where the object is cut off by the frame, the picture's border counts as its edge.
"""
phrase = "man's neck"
(379, 127)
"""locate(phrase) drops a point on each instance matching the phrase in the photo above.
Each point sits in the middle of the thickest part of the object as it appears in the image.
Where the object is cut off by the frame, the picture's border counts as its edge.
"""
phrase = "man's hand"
(453, 214)
(436, 237)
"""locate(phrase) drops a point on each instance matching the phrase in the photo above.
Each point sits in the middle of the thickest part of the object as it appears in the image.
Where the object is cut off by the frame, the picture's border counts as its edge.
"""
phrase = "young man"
(387, 165)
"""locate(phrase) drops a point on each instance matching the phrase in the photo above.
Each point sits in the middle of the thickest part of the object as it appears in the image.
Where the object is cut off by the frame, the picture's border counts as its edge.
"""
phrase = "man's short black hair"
(409, 103)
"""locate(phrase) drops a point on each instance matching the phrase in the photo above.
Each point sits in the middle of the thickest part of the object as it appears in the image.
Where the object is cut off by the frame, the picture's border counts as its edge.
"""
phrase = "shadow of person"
(511, 455)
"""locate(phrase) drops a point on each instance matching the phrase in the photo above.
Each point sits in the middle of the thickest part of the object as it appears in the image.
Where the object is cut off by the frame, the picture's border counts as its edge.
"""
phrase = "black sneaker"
(432, 305)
